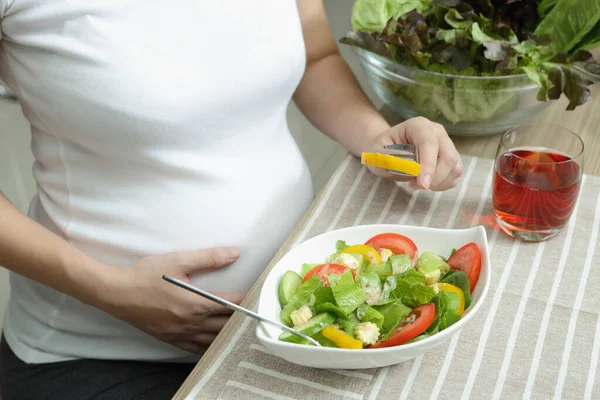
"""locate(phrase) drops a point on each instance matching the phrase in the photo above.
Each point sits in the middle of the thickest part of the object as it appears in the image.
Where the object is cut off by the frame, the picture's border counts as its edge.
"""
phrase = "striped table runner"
(537, 335)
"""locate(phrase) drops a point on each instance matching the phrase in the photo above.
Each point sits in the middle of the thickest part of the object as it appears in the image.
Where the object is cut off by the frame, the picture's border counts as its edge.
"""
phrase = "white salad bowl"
(440, 241)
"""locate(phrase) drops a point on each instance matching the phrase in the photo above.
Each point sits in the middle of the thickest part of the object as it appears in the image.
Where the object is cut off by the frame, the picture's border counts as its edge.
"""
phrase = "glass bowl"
(464, 105)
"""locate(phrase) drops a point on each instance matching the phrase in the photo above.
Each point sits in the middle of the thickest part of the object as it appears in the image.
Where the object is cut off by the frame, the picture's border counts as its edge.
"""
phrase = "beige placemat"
(536, 336)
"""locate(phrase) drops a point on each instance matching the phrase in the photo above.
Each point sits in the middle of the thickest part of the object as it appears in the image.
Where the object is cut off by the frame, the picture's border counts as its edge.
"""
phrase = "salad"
(546, 42)
(378, 294)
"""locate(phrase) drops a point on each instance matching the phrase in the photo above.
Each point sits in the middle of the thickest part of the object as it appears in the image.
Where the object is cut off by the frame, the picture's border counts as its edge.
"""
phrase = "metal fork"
(235, 307)
(407, 151)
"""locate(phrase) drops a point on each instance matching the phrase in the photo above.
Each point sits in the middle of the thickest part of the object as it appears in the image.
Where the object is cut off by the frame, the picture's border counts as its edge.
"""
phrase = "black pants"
(88, 379)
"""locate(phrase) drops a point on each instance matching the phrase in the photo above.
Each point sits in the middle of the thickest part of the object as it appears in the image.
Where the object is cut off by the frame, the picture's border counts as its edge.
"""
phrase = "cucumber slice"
(287, 286)
(312, 326)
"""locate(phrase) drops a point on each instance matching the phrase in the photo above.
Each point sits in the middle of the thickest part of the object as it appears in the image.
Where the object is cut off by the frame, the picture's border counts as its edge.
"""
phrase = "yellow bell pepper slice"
(448, 288)
(392, 163)
(341, 338)
(367, 252)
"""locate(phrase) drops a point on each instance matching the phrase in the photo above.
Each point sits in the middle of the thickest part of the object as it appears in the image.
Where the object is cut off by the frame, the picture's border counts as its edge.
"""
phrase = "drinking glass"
(537, 177)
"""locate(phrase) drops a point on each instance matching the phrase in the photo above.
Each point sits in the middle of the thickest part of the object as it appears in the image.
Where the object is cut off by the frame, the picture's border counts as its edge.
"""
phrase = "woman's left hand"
(441, 165)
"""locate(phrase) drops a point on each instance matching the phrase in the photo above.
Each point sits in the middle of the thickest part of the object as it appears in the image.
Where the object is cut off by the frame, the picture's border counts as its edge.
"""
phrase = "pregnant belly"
(256, 251)
(258, 236)
(188, 218)
(253, 206)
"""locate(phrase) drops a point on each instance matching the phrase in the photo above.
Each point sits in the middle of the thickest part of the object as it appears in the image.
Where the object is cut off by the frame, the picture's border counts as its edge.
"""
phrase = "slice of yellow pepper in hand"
(341, 338)
(392, 163)
(448, 288)
(367, 252)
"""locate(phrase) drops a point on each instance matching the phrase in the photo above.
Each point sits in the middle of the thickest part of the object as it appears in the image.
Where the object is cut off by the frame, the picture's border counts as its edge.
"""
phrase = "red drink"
(535, 191)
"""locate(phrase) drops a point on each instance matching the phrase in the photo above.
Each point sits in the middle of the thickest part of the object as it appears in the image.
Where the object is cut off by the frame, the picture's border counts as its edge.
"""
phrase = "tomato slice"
(324, 270)
(396, 243)
(415, 323)
(468, 260)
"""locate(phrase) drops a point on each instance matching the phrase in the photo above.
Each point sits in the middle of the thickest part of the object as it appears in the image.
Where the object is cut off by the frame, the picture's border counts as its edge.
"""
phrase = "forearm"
(331, 98)
(31, 250)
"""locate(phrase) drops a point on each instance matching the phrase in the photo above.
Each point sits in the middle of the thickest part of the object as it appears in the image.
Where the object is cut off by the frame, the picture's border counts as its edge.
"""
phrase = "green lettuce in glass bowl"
(465, 105)
(478, 67)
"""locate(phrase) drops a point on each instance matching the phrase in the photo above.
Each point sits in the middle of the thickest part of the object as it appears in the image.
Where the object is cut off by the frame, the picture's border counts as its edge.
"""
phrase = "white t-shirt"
(157, 126)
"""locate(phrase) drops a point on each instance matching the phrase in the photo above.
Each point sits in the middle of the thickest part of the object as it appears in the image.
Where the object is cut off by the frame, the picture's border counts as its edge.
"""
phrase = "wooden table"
(585, 121)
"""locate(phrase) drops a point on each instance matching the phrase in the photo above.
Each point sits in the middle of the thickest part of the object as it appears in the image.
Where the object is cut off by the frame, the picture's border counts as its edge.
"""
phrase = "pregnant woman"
(161, 147)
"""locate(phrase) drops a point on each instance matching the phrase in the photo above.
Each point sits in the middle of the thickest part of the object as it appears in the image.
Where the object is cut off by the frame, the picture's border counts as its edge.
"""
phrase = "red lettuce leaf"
(572, 76)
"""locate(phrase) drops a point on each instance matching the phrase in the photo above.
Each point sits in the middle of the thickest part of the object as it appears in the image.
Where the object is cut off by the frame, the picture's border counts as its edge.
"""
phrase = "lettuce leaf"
(456, 20)
(412, 276)
(311, 292)
(520, 16)
(382, 270)
(459, 279)
(568, 22)
(591, 40)
(495, 49)
(371, 287)
(372, 15)
(368, 42)
(409, 288)
(419, 338)
(572, 77)
(348, 324)
(541, 80)
(340, 245)
(323, 341)
(563, 74)
(307, 267)
(331, 309)
(545, 7)
(366, 313)
(392, 314)
(348, 294)
(446, 309)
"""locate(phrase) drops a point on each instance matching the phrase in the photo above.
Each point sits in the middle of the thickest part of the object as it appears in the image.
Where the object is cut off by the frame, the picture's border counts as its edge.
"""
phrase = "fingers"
(450, 167)
(445, 170)
(193, 261)
(447, 184)
(212, 308)
(192, 347)
(205, 339)
(214, 324)
(198, 344)
(441, 164)
(235, 297)
(452, 179)
(389, 176)
(428, 151)
(425, 135)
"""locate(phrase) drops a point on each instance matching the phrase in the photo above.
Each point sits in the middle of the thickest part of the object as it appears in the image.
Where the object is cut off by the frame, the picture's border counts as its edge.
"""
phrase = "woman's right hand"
(170, 313)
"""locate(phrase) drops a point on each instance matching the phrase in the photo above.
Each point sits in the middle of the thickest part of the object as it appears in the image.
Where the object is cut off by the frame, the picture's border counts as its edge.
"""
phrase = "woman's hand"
(167, 312)
(136, 294)
(441, 165)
